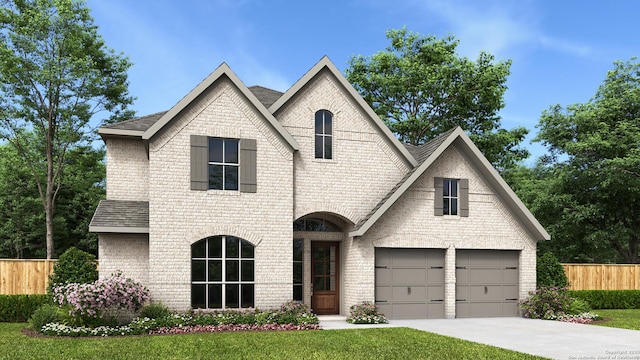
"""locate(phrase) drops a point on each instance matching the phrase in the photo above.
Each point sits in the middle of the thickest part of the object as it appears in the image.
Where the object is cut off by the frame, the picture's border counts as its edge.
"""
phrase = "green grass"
(624, 319)
(380, 343)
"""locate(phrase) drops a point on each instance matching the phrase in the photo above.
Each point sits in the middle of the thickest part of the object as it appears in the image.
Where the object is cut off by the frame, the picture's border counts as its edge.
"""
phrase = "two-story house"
(247, 197)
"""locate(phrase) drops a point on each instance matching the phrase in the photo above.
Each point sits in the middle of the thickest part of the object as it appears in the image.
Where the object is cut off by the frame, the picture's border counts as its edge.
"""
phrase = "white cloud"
(497, 27)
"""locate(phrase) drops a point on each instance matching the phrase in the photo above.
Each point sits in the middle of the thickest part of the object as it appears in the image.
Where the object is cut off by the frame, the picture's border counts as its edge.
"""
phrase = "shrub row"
(19, 308)
(609, 299)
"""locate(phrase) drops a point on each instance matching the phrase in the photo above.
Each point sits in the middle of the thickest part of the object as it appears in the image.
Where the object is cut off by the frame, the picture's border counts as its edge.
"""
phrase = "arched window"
(222, 273)
(313, 224)
(324, 137)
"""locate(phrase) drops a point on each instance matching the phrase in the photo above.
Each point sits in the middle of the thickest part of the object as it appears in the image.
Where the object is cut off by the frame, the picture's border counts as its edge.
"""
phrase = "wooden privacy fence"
(25, 276)
(603, 276)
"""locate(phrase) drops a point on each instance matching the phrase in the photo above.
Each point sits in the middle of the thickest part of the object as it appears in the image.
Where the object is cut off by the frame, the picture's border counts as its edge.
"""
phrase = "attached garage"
(487, 283)
(409, 283)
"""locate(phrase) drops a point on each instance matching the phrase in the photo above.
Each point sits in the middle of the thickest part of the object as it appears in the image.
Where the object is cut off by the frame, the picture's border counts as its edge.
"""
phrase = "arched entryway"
(317, 281)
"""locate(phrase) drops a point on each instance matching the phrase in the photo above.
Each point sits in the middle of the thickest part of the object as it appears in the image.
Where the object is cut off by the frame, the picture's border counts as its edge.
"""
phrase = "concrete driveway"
(552, 339)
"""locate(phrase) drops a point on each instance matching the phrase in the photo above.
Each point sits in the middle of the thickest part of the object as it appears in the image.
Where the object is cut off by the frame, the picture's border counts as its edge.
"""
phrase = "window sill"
(223, 192)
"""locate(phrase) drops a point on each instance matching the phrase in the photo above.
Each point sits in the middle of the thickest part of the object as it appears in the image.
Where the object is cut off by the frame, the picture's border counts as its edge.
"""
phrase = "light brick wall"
(364, 165)
(128, 253)
(127, 169)
(180, 216)
(411, 223)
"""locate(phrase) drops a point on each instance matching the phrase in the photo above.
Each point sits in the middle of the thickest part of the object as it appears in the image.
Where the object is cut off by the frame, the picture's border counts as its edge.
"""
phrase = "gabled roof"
(265, 95)
(325, 63)
(432, 151)
(119, 216)
(137, 126)
(222, 71)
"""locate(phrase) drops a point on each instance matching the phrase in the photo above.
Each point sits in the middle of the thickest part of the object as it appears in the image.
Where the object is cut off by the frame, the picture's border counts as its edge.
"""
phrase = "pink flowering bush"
(583, 318)
(366, 313)
(189, 329)
(547, 302)
(114, 300)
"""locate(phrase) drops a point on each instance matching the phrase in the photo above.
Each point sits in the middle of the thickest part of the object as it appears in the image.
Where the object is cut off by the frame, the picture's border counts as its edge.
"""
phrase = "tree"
(595, 160)
(22, 220)
(56, 73)
(421, 88)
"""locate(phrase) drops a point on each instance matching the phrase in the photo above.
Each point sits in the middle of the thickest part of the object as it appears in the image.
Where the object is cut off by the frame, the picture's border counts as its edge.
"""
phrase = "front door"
(325, 262)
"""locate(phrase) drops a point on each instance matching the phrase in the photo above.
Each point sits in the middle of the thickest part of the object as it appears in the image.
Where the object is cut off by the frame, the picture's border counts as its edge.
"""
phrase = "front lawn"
(380, 343)
(624, 319)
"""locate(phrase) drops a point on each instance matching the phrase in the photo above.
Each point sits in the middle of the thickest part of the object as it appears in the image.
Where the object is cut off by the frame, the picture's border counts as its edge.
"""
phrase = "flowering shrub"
(110, 301)
(546, 303)
(233, 327)
(583, 318)
(201, 320)
(366, 313)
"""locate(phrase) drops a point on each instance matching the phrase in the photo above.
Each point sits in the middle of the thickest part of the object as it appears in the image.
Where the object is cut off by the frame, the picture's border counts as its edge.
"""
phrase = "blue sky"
(561, 50)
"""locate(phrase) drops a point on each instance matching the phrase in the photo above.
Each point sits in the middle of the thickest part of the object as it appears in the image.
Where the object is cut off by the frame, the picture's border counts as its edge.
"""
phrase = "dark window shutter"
(248, 165)
(464, 197)
(199, 162)
(437, 200)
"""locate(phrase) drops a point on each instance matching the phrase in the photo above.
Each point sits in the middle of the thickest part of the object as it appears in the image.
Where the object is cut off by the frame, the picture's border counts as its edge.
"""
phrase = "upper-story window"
(450, 197)
(223, 164)
(324, 137)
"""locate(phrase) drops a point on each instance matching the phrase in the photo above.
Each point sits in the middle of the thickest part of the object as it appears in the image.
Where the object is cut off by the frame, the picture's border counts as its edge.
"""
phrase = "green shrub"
(609, 299)
(546, 303)
(155, 310)
(550, 272)
(74, 266)
(19, 308)
(578, 306)
(45, 314)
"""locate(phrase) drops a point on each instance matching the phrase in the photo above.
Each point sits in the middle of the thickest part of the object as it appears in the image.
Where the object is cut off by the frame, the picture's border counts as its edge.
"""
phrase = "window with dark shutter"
(223, 164)
(451, 197)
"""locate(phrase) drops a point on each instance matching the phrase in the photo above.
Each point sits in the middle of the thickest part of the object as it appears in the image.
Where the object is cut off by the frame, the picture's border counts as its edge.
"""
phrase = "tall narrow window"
(222, 273)
(223, 164)
(450, 197)
(298, 247)
(324, 137)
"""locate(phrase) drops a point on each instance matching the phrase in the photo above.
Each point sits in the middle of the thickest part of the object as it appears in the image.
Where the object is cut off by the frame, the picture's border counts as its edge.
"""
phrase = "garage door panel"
(481, 309)
(435, 275)
(435, 257)
(435, 293)
(510, 308)
(409, 293)
(510, 291)
(462, 293)
(383, 257)
(409, 257)
(384, 293)
(484, 293)
(384, 275)
(484, 276)
(410, 283)
(487, 283)
(510, 276)
(410, 276)
(462, 276)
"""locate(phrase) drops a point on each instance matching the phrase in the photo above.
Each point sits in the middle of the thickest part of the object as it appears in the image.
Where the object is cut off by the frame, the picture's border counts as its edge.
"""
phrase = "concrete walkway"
(552, 339)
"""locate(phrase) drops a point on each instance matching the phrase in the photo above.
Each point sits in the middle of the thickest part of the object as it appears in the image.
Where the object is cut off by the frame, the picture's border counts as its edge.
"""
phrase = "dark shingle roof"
(139, 124)
(266, 96)
(120, 216)
(420, 153)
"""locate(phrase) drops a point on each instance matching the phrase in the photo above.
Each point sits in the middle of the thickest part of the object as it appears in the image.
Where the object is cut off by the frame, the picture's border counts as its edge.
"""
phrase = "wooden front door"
(325, 278)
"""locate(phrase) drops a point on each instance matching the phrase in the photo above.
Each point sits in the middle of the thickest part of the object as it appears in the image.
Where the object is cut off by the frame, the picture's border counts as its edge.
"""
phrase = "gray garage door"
(410, 283)
(486, 283)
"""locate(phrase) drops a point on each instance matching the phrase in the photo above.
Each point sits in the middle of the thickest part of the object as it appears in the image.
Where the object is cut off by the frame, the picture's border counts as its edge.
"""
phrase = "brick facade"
(366, 165)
